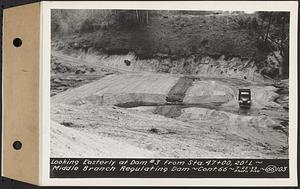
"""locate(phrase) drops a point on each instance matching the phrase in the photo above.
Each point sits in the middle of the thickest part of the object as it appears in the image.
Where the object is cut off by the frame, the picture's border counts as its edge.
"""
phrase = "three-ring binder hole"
(17, 42)
(17, 145)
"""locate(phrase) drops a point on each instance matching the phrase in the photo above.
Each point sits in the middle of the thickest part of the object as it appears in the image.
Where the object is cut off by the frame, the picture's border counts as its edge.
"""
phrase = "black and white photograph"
(169, 84)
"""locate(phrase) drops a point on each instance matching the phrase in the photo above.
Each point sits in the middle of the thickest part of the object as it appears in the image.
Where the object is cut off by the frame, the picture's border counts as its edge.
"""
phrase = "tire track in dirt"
(175, 96)
(178, 91)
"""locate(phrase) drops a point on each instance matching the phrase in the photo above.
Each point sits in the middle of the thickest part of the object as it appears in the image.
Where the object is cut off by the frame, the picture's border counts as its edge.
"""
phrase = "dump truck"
(244, 98)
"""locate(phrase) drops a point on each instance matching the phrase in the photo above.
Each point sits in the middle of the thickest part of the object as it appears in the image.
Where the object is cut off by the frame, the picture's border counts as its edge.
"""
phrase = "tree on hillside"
(276, 38)
(66, 22)
(132, 18)
(268, 28)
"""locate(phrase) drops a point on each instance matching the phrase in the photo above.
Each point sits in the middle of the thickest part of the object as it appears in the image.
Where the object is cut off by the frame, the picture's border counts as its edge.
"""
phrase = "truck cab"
(244, 98)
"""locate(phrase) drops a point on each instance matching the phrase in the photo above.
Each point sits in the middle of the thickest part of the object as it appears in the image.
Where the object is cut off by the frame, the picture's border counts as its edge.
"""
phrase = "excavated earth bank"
(202, 119)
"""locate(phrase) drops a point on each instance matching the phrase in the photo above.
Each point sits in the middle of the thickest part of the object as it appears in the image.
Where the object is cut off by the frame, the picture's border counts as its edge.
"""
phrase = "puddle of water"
(174, 102)
(173, 110)
(136, 104)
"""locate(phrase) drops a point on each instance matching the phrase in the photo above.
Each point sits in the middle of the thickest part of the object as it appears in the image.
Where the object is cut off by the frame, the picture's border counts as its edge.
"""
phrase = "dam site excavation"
(169, 84)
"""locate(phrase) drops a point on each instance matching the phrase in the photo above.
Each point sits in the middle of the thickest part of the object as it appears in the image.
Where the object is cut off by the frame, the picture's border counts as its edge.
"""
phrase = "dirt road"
(79, 61)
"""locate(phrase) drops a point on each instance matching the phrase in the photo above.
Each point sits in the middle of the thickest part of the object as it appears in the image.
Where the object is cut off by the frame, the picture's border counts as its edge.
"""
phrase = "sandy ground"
(128, 115)
(91, 145)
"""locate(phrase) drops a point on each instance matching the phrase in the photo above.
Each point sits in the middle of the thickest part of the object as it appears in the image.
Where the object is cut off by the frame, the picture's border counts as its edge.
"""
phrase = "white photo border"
(45, 55)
